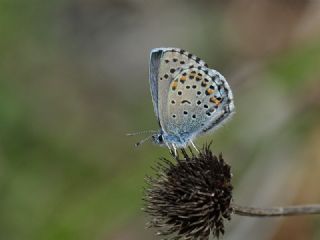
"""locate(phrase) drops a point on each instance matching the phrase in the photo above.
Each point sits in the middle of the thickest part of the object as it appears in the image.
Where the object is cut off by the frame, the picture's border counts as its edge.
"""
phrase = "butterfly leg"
(194, 146)
(172, 150)
(175, 150)
(168, 146)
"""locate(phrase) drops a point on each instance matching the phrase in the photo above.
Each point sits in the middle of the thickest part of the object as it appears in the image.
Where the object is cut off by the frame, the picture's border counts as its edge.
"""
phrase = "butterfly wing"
(155, 58)
(225, 105)
(165, 65)
(199, 99)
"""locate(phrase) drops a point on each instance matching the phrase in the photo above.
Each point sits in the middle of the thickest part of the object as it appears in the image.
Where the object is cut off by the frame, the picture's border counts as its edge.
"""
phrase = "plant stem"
(276, 211)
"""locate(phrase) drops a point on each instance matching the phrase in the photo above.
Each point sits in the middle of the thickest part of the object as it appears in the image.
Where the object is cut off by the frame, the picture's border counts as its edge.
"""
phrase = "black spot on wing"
(186, 101)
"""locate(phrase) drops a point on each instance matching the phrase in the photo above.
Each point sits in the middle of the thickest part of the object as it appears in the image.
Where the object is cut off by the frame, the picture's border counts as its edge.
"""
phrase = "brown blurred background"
(74, 80)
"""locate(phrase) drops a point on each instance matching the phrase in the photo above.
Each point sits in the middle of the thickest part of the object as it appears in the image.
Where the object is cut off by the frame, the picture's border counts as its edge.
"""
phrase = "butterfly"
(189, 98)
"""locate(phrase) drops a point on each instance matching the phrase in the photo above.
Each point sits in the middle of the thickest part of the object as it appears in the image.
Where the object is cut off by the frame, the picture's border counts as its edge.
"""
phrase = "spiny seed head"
(190, 197)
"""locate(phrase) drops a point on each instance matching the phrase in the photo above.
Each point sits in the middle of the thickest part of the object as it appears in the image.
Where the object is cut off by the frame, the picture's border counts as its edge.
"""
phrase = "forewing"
(155, 58)
(165, 65)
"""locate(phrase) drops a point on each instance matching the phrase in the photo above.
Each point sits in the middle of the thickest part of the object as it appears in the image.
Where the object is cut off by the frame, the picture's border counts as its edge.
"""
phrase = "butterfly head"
(158, 138)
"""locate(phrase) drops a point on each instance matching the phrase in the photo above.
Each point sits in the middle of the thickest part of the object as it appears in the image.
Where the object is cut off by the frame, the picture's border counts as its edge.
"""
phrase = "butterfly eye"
(160, 138)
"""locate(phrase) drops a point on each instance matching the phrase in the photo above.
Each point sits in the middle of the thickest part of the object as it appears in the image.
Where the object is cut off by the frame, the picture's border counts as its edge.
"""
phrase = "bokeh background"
(74, 80)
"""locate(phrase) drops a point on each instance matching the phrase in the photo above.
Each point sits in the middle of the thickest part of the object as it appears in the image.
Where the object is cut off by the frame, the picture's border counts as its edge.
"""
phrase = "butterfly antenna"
(142, 132)
(142, 141)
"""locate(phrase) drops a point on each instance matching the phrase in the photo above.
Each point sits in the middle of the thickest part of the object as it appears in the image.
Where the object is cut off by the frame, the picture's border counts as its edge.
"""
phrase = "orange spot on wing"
(209, 91)
(183, 78)
(174, 85)
(215, 101)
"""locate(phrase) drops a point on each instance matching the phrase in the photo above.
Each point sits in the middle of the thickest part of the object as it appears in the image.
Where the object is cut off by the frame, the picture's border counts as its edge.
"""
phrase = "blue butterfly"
(189, 98)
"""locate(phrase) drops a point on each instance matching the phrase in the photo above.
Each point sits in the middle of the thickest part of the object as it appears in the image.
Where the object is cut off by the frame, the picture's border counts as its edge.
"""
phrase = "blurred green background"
(74, 80)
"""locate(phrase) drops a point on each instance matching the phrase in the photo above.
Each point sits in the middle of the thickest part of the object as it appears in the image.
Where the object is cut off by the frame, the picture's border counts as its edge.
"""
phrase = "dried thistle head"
(190, 197)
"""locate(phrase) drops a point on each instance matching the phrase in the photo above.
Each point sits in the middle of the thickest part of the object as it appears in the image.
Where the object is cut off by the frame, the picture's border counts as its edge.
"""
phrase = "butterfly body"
(189, 98)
